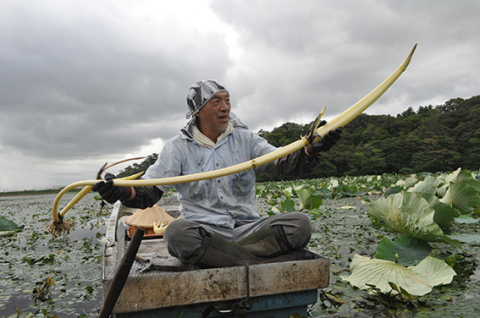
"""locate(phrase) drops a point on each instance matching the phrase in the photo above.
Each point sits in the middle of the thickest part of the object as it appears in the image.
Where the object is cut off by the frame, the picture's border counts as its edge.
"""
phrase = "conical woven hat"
(146, 217)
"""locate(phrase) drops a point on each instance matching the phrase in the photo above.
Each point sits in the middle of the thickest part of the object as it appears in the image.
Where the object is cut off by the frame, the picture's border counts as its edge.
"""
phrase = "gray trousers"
(183, 238)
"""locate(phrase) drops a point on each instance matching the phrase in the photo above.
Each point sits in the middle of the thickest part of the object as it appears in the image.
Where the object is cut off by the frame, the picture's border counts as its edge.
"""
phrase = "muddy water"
(74, 263)
(30, 257)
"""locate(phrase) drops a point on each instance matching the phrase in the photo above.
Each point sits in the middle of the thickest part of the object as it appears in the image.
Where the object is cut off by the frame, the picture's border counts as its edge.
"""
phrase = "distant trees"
(431, 139)
(135, 168)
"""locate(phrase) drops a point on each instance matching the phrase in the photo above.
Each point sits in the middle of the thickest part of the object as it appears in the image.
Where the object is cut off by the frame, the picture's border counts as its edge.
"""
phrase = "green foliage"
(138, 167)
(410, 214)
(441, 138)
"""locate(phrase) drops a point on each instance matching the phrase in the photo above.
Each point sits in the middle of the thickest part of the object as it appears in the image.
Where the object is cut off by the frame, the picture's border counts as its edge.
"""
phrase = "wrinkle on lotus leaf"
(408, 213)
(416, 280)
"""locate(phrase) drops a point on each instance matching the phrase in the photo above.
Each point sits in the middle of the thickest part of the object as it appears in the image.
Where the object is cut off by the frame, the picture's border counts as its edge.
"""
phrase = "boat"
(159, 285)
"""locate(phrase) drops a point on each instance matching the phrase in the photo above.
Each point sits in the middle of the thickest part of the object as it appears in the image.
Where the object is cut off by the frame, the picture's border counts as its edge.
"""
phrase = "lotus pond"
(61, 277)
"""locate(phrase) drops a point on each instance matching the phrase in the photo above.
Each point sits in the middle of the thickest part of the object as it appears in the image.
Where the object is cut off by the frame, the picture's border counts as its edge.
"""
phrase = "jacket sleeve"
(145, 197)
(297, 164)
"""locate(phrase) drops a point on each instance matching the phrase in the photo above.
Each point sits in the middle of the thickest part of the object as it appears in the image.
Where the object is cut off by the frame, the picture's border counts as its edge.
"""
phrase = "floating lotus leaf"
(466, 219)
(472, 239)
(307, 200)
(405, 250)
(415, 280)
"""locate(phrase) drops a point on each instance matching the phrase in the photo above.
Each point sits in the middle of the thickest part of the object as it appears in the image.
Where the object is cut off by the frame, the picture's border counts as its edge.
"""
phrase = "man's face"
(215, 115)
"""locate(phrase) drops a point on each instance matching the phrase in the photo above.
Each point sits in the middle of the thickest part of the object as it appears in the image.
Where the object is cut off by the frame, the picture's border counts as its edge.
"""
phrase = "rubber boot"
(266, 242)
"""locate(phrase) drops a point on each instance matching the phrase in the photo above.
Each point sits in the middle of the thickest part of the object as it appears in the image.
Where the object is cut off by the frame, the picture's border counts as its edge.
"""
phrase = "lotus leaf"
(428, 185)
(307, 200)
(415, 280)
(405, 250)
(473, 239)
(458, 176)
(6, 225)
(393, 190)
(288, 206)
(462, 197)
(444, 214)
(466, 219)
(408, 213)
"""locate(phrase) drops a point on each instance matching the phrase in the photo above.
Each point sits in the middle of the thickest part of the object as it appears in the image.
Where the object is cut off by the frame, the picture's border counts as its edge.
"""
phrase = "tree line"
(431, 139)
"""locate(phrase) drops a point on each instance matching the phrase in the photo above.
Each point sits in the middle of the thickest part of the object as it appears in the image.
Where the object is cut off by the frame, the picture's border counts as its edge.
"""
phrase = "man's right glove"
(325, 144)
(110, 193)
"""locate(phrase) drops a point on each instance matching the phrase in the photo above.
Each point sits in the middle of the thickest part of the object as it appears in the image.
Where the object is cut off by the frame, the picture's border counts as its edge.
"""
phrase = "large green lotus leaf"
(444, 214)
(7, 225)
(428, 185)
(408, 213)
(462, 197)
(416, 280)
(405, 250)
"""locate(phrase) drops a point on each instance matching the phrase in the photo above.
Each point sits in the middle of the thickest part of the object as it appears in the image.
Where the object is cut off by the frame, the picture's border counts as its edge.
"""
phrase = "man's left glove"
(325, 144)
(110, 193)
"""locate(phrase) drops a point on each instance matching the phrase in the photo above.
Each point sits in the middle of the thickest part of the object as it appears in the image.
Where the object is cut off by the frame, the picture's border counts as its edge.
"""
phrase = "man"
(219, 227)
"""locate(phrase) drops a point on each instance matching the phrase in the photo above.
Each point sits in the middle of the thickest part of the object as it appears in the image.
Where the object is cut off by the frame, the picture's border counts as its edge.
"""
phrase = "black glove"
(110, 193)
(325, 144)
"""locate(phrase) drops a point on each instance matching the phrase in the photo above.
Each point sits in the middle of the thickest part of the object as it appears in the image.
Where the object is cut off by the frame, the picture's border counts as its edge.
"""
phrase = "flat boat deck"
(158, 283)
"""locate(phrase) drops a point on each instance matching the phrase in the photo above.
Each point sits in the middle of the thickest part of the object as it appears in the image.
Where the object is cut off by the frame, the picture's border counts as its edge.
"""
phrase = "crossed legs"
(265, 240)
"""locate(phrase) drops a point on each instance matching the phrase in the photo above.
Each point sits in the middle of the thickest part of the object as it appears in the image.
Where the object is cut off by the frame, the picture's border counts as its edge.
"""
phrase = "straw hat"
(146, 217)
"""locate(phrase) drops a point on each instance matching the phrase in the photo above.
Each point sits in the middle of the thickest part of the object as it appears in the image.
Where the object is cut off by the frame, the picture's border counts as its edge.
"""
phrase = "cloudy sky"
(88, 82)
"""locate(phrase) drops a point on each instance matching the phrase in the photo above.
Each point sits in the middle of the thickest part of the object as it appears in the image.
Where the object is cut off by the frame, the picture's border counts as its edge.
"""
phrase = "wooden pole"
(121, 274)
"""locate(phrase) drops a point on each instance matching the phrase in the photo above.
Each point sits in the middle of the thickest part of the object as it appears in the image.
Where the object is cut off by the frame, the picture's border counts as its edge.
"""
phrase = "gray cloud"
(87, 82)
